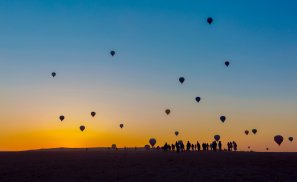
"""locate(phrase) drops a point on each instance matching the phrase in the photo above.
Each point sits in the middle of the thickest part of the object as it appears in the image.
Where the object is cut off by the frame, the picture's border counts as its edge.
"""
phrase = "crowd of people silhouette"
(179, 146)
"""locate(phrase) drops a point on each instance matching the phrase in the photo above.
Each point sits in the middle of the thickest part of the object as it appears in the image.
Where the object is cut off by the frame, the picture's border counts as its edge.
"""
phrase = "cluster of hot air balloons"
(152, 141)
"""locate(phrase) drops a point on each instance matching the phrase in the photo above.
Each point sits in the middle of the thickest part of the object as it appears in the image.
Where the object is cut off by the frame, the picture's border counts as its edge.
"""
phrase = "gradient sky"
(156, 41)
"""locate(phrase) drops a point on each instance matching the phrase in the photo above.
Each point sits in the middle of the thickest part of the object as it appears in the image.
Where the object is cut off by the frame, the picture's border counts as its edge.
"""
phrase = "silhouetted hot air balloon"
(209, 20)
(176, 133)
(82, 128)
(217, 137)
(152, 141)
(249, 147)
(62, 118)
(112, 53)
(227, 63)
(167, 111)
(291, 139)
(181, 80)
(278, 139)
(254, 131)
(246, 132)
(267, 148)
(53, 74)
(121, 125)
(223, 118)
(93, 114)
(198, 99)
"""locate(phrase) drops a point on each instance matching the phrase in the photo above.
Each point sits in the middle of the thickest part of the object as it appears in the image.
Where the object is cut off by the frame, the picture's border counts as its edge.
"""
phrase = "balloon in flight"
(112, 53)
(291, 139)
(223, 118)
(181, 80)
(209, 20)
(227, 63)
(93, 114)
(217, 137)
(53, 74)
(62, 118)
(254, 131)
(246, 132)
(278, 139)
(198, 99)
(152, 141)
(121, 125)
(176, 133)
(167, 111)
(82, 128)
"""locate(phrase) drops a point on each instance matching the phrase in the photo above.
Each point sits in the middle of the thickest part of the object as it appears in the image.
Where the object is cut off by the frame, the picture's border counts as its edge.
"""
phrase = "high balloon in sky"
(152, 141)
(167, 111)
(82, 128)
(62, 118)
(223, 118)
(112, 53)
(278, 139)
(53, 74)
(181, 80)
(93, 114)
(209, 20)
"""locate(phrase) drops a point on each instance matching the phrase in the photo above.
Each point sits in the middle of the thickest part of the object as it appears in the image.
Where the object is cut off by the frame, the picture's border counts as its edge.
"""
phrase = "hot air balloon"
(54, 74)
(152, 141)
(181, 80)
(223, 118)
(267, 148)
(93, 114)
(121, 125)
(82, 128)
(167, 111)
(112, 53)
(198, 99)
(291, 139)
(209, 20)
(62, 118)
(227, 63)
(246, 132)
(249, 147)
(147, 147)
(278, 139)
(217, 137)
(254, 131)
(176, 133)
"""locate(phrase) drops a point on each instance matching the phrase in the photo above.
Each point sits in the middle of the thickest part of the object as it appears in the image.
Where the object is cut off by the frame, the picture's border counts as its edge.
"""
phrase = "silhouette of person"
(231, 146)
(220, 145)
(207, 146)
(235, 146)
(192, 147)
(198, 146)
(173, 147)
(188, 146)
(195, 147)
(214, 145)
(177, 147)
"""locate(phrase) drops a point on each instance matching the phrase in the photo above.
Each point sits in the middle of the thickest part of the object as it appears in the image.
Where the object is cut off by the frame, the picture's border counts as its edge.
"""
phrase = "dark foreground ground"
(102, 166)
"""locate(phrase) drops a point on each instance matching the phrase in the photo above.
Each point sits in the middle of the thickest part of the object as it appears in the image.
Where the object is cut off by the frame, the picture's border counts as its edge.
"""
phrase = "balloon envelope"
(167, 111)
(181, 80)
(152, 141)
(291, 139)
(278, 139)
(209, 20)
(227, 63)
(176, 133)
(62, 118)
(121, 125)
(198, 99)
(246, 132)
(217, 137)
(93, 114)
(254, 131)
(54, 74)
(112, 53)
(82, 128)
(223, 118)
